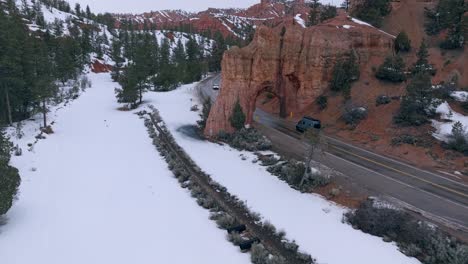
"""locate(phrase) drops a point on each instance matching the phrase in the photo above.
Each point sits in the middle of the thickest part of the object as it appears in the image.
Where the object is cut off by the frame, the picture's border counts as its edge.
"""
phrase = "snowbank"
(460, 96)
(314, 223)
(100, 193)
(450, 117)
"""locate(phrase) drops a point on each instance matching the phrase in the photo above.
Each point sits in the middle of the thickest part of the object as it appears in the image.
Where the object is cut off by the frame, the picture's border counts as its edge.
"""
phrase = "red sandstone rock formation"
(99, 67)
(230, 22)
(293, 63)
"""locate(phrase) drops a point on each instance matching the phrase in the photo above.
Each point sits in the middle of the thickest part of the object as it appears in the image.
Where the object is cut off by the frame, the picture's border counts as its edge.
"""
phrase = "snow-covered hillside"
(96, 191)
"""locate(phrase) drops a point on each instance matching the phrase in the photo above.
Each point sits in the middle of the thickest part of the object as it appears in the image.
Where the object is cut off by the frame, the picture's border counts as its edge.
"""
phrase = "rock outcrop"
(293, 63)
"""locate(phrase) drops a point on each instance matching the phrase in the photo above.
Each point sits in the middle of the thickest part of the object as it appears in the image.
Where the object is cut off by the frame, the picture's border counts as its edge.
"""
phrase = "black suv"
(308, 122)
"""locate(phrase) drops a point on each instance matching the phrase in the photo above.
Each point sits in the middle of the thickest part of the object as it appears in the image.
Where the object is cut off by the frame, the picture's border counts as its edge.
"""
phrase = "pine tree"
(314, 14)
(66, 59)
(89, 15)
(44, 87)
(393, 69)
(129, 92)
(422, 64)
(455, 38)
(193, 70)
(345, 72)
(116, 55)
(328, 12)
(237, 118)
(180, 59)
(58, 27)
(417, 106)
(217, 51)
(12, 35)
(10, 179)
(402, 42)
(78, 10)
(373, 11)
(167, 78)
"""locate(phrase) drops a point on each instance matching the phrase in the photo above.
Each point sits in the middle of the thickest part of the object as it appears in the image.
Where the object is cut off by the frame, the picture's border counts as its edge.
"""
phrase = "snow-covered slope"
(96, 191)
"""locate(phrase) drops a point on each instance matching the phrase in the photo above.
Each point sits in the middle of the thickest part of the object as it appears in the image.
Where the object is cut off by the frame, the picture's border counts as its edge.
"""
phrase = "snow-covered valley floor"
(314, 223)
(96, 191)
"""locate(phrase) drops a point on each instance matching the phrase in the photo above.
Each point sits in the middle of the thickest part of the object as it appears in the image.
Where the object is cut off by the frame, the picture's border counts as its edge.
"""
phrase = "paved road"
(436, 197)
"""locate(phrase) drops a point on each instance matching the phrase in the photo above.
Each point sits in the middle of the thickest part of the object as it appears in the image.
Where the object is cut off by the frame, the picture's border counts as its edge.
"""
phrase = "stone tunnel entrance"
(268, 99)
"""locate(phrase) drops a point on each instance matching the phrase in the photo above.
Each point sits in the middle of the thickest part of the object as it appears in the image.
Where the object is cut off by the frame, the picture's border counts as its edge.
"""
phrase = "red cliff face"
(293, 63)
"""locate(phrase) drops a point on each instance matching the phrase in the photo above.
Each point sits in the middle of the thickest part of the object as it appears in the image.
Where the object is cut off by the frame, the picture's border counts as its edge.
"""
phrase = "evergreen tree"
(89, 15)
(129, 92)
(402, 42)
(58, 27)
(167, 79)
(116, 55)
(417, 106)
(392, 69)
(455, 38)
(328, 12)
(373, 11)
(66, 59)
(43, 87)
(217, 51)
(10, 179)
(78, 10)
(345, 72)
(447, 13)
(12, 35)
(422, 64)
(180, 58)
(458, 140)
(193, 67)
(314, 14)
(237, 118)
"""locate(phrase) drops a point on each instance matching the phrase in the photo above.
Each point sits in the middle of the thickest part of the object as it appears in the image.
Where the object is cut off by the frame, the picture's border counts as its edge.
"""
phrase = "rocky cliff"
(292, 63)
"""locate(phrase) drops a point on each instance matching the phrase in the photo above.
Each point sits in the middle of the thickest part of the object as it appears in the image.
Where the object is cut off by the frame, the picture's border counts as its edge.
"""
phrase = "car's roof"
(310, 118)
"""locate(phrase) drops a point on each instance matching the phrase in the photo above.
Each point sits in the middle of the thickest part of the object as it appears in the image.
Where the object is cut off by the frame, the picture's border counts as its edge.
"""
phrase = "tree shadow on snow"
(191, 131)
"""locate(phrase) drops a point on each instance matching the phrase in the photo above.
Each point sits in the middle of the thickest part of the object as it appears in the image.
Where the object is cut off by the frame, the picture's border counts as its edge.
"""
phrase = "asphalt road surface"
(436, 197)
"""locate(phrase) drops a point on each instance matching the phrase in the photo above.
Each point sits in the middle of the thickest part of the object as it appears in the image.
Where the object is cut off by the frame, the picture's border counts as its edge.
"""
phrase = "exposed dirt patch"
(345, 197)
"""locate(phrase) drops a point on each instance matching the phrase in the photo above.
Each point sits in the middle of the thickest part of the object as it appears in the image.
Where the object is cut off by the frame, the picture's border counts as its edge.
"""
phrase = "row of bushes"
(415, 238)
(223, 219)
(410, 140)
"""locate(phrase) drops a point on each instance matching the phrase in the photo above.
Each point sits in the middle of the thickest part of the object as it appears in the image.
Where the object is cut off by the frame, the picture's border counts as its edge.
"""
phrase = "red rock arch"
(295, 63)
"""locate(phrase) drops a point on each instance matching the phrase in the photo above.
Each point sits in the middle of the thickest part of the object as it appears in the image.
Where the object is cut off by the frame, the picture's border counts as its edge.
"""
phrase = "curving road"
(435, 197)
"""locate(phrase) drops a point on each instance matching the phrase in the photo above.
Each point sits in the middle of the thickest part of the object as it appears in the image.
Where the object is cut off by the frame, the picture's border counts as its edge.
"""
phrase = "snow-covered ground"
(461, 96)
(313, 222)
(450, 117)
(96, 191)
